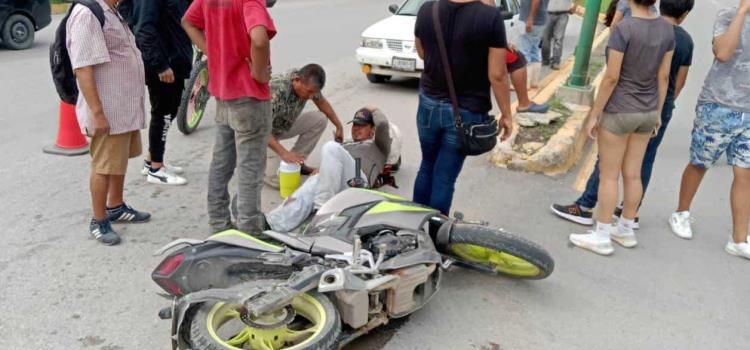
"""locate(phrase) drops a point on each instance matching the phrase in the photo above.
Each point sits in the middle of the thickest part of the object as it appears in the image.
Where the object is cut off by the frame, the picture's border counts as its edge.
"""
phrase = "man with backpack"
(167, 55)
(110, 107)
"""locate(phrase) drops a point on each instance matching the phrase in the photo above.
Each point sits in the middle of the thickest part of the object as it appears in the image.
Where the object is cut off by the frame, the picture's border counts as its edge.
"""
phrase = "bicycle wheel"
(194, 98)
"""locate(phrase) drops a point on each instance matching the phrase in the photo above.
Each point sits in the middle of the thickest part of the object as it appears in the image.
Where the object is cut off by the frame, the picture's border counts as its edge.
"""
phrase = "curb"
(58, 9)
(563, 150)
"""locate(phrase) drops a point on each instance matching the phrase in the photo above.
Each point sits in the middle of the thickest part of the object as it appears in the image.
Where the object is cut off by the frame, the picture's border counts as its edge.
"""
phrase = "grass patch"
(542, 133)
(59, 1)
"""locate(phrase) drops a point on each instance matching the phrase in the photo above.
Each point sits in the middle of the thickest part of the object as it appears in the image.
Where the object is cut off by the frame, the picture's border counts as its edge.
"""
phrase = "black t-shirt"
(470, 30)
(683, 56)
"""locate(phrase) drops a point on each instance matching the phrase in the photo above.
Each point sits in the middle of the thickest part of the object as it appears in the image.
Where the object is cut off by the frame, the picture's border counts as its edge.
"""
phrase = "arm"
(663, 81)
(325, 107)
(196, 35)
(260, 54)
(532, 14)
(283, 153)
(420, 50)
(617, 18)
(726, 44)
(498, 75)
(606, 88)
(574, 8)
(87, 86)
(680, 80)
(149, 41)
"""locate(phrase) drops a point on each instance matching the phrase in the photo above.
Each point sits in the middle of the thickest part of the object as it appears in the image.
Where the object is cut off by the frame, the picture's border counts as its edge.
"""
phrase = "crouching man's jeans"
(242, 130)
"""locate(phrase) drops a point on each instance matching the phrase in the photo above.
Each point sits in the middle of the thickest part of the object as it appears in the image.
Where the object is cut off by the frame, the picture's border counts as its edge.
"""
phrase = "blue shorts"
(719, 129)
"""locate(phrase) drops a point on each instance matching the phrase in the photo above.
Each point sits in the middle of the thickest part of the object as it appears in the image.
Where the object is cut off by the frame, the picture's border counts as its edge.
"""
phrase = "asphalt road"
(61, 290)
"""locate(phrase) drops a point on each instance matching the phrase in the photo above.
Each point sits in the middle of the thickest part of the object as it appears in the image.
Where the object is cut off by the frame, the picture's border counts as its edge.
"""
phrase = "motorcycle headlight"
(372, 43)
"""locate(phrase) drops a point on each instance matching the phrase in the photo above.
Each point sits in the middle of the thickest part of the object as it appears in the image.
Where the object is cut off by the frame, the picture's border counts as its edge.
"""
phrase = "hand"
(512, 47)
(592, 126)
(338, 134)
(100, 125)
(744, 6)
(291, 157)
(167, 76)
(505, 127)
(573, 9)
(529, 26)
(263, 76)
(655, 133)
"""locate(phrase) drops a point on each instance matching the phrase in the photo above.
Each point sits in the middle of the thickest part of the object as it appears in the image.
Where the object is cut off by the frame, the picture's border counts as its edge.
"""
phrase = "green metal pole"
(579, 77)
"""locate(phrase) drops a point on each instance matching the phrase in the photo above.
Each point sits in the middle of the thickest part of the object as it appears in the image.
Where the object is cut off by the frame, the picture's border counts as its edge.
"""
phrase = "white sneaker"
(594, 242)
(624, 236)
(738, 249)
(164, 177)
(680, 224)
(170, 169)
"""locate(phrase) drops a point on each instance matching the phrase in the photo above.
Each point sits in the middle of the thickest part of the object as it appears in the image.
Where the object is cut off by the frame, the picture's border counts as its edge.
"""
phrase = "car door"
(510, 6)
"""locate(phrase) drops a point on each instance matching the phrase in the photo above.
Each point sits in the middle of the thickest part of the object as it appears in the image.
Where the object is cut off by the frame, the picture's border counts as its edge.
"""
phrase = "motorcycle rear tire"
(327, 339)
(495, 251)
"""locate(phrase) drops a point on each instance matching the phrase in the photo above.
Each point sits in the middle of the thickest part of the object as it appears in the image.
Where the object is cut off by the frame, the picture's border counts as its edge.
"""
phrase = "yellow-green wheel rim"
(499, 261)
(268, 339)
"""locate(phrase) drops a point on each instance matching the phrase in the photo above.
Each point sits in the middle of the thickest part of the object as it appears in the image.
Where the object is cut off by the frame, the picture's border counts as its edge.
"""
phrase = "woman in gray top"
(624, 116)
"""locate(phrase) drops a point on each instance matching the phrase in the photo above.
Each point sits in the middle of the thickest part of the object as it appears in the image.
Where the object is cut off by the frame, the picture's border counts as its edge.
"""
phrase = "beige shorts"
(110, 153)
(630, 123)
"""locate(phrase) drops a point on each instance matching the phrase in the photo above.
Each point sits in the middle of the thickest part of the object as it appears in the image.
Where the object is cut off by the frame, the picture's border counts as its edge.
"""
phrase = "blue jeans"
(591, 195)
(441, 160)
(528, 43)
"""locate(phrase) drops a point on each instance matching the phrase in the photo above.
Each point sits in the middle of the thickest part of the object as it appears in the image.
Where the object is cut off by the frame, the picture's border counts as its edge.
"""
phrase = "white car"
(387, 48)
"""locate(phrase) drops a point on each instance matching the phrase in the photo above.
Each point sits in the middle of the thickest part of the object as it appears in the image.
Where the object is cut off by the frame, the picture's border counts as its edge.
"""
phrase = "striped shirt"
(118, 68)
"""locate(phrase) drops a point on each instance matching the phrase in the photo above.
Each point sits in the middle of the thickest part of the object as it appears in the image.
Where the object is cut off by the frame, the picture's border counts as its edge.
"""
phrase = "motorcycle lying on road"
(364, 258)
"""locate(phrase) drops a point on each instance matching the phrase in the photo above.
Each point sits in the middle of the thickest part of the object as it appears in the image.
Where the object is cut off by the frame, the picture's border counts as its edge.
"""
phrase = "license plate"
(404, 64)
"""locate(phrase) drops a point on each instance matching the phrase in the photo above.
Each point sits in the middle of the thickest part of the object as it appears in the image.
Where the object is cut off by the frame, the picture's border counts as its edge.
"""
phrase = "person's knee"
(331, 148)
(320, 121)
(742, 175)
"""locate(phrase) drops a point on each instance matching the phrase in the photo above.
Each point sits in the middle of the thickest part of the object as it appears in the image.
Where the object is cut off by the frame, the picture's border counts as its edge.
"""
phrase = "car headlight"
(372, 43)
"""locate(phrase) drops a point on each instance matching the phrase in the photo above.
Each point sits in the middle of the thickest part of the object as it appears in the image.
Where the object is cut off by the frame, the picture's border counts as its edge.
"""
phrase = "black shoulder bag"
(474, 139)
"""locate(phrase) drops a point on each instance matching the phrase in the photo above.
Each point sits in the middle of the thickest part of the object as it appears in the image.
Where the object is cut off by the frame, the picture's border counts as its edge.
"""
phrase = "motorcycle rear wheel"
(316, 326)
(495, 251)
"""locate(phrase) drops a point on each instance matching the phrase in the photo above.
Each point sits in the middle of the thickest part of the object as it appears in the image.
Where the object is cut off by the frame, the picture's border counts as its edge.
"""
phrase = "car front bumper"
(379, 62)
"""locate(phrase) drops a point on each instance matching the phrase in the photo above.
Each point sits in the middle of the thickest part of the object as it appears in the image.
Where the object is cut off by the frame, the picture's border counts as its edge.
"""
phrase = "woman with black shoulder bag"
(463, 44)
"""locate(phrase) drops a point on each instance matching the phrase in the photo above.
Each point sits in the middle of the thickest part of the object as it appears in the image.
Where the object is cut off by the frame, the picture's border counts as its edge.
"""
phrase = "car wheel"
(18, 32)
(378, 79)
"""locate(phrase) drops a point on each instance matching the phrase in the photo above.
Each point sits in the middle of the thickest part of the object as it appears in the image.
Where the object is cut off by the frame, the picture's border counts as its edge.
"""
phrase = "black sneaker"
(618, 213)
(125, 213)
(574, 213)
(103, 232)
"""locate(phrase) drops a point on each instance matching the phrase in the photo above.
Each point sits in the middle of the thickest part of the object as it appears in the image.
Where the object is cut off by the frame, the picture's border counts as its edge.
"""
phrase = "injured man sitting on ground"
(375, 141)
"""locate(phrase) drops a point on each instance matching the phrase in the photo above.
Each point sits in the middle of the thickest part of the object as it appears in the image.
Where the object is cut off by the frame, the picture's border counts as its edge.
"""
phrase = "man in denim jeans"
(235, 36)
(534, 17)
(722, 125)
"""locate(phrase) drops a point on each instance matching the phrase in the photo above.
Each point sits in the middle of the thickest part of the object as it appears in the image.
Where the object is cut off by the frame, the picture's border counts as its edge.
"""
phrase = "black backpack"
(59, 60)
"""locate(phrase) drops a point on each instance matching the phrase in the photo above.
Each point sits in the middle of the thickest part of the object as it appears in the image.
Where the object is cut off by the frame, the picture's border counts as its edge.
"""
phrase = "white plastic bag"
(295, 208)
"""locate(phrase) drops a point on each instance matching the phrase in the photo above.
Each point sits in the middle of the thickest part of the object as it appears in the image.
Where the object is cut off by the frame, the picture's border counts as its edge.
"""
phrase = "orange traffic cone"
(70, 141)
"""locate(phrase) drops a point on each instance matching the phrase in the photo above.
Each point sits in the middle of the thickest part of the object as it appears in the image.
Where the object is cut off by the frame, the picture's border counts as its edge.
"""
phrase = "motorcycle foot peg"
(165, 313)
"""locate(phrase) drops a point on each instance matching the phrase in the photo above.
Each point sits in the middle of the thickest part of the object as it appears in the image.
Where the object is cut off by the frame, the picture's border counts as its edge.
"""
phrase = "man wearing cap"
(375, 141)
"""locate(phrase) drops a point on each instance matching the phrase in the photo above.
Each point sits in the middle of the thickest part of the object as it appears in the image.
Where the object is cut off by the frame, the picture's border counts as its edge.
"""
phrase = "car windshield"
(411, 7)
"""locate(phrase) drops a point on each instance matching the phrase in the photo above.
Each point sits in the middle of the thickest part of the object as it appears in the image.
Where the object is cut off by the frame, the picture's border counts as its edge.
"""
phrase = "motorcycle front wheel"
(492, 250)
(194, 98)
(311, 322)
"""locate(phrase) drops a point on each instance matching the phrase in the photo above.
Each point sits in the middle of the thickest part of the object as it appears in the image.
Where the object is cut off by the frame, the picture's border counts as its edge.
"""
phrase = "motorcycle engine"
(394, 243)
